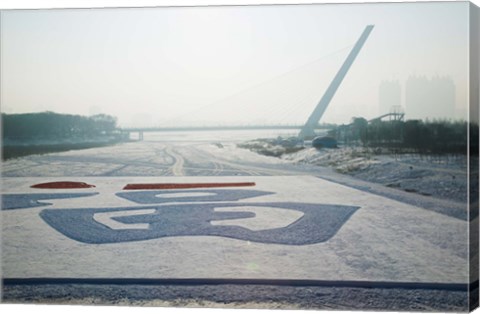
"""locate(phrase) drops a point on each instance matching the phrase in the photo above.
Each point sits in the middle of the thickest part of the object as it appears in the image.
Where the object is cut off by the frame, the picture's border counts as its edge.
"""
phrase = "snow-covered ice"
(385, 239)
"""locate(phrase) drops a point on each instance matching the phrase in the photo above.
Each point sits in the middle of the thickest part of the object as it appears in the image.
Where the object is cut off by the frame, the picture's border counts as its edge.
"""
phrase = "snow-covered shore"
(443, 177)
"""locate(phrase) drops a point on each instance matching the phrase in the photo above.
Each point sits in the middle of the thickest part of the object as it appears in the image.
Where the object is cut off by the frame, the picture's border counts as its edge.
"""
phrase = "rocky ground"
(244, 296)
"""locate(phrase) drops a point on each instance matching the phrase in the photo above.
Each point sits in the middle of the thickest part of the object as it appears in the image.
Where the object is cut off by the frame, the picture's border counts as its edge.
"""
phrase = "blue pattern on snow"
(318, 224)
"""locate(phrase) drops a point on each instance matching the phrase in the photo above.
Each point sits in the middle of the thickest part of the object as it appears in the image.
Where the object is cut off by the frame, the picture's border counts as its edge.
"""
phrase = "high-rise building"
(389, 96)
(429, 98)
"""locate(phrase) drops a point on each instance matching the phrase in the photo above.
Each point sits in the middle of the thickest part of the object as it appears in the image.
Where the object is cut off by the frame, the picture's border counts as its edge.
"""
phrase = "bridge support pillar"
(308, 131)
(140, 135)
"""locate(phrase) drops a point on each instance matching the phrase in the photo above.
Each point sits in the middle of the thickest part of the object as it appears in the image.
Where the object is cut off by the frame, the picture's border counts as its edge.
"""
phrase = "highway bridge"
(307, 131)
(128, 131)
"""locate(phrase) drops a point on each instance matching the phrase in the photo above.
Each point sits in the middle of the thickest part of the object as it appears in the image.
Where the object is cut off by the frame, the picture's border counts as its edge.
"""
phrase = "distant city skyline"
(225, 65)
(419, 97)
(429, 97)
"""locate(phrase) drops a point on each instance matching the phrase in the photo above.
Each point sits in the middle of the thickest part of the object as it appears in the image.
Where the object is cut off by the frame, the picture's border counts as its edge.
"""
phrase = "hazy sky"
(224, 65)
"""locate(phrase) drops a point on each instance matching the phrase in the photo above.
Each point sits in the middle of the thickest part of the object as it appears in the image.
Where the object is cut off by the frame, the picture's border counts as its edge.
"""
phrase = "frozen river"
(168, 154)
(295, 222)
(160, 154)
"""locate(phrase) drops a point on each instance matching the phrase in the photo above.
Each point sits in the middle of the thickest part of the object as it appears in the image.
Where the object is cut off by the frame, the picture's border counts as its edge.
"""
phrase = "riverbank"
(439, 176)
(16, 149)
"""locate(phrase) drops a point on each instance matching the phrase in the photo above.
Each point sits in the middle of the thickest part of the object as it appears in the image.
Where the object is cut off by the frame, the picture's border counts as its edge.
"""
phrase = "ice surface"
(392, 238)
